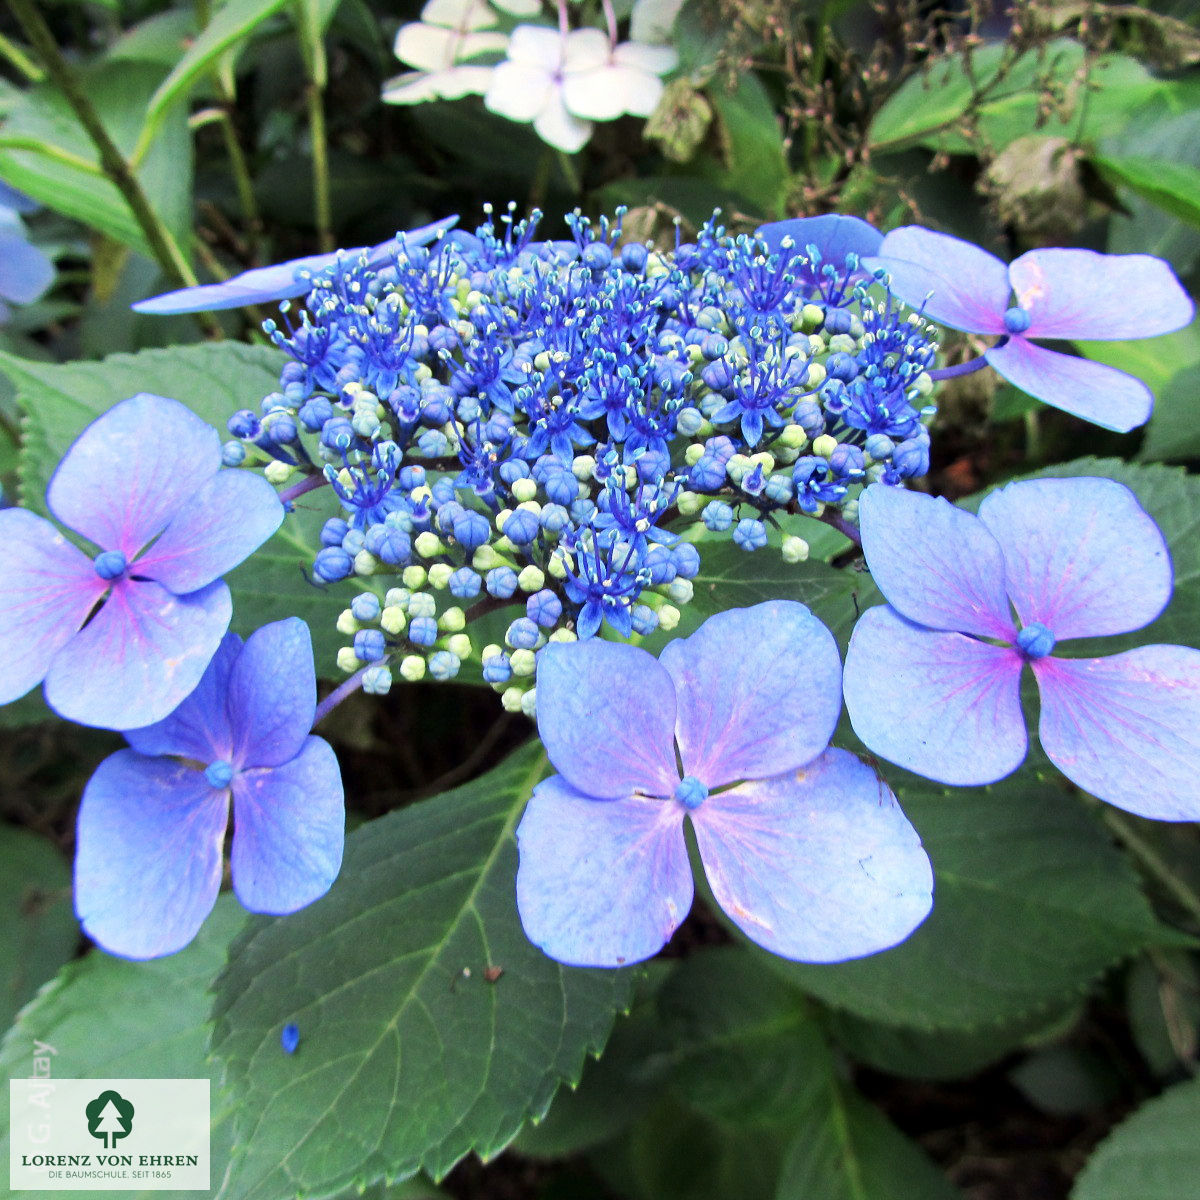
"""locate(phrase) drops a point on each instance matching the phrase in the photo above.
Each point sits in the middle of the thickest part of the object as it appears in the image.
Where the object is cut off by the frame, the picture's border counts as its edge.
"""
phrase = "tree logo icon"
(109, 1117)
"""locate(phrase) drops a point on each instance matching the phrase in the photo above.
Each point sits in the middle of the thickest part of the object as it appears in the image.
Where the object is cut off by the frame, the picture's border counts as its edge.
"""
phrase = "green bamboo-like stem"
(55, 153)
(312, 49)
(1153, 863)
(112, 161)
(20, 60)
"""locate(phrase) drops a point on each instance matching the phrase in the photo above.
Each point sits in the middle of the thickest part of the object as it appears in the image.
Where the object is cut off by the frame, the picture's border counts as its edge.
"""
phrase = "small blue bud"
(233, 454)
(513, 469)
(543, 608)
(561, 487)
(522, 527)
(1035, 641)
(365, 606)
(718, 516)
(688, 422)
(314, 413)
(219, 774)
(685, 558)
(333, 531)
(1017, 320)
(471, 529)
(332, 564)
(841, 366)
(281, 429)
(633, 258)
(370, 645)
(443, 665)
(289, 1038)
(244, 424)
(838, 320)
(423, 631)
(110, 564)
(750, 534)
(501, 582)
(338, 434)
(465, 584)
(522, 634)
(411, 477)
(554, 518)
(354, 541)
(644, 619)
(714, 346)
(660, 565)
(879, 446)
(389, 544)
(691, 793)
(497, 669)
(597, 256)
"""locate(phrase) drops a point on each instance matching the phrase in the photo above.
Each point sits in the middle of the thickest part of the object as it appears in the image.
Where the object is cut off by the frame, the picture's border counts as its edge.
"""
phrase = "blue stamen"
(691, 793)
(110, 564)
(219, 774)
(1017, 320)
(1035, 641)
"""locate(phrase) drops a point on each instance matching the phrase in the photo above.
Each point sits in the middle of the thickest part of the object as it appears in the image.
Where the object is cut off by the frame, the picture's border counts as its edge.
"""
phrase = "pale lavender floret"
(1075, 558)
(144, 483)
(1054, 293)
(807, 851)
(153, 819)
(834, 236)
(282, 281)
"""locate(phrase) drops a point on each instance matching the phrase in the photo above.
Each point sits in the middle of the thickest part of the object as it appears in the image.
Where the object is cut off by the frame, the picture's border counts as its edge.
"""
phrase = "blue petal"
(147, 854)
(601, 883)
(818, 865)
(606, 713)
(1127, 728)
(141, 654)
(273, 694)
(288, 829)
(278, 282)
(25, 271)
(945, 706)
(758, 692)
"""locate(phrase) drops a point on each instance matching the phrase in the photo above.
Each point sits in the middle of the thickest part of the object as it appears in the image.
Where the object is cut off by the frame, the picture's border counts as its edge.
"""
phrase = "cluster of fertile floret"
(554, 424)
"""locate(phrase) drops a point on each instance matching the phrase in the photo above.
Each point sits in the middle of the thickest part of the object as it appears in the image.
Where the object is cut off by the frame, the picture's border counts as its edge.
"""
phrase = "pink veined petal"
(47, 589)
(272, 695)
(1127, 728)
(758, 692)
(147, 854)
(289, 827)
(935, 563)
(1103, 395)
(1072, 293)
(606, 714)
(967, 288)
(227, 519)
(199, 728)
(1081, 556)
(557, 127)
(131, 470)
(601, 883)
(518, 91)
(940, 704)
(139, 656)
(818, 865)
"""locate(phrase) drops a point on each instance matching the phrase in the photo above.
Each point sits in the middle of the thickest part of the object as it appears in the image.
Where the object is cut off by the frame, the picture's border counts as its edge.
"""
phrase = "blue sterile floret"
(504, 420)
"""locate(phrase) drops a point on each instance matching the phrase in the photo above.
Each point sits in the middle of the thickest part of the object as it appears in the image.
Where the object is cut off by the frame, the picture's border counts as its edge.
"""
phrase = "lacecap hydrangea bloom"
(498, 421)
(932, 679)
(1055, 293)
(153, 820)
(803, 846)
(122, 633)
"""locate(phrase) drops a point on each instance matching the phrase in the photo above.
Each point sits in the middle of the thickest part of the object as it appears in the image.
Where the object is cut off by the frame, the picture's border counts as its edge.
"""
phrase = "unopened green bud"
(811, 316)
(738, 467)
(485, 558)
(680, 590)
(365, 563)
(668, 617)
(564, 635)
(529, 704)
(439, 575)
(511, 698)
(459, 644)
(347, 623)
(412, 668)
(923, 384)
(583, 467)
(531, 579)
(523, 489)
(278, 472)
(814, 376)
(842, 343)
(825, 445)
(523, 662)
(530, 505)
(556, 568)
(453, 620)
(793, 437)
(428, 544)
(421, 604)
(795, 549)
(414, 576)
(347, 660)
(690, 503)
(392, 620)
(693, 454)
(396, 597)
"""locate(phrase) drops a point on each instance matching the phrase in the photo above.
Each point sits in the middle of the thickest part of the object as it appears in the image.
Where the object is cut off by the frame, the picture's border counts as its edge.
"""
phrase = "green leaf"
(410, 1056)
(47, 130)
(233, 22)
(38, 932)
(1031, 903)
(1154, 1155)
(1173, 186)
(214, 380)
(109, 1018)
(755, 158)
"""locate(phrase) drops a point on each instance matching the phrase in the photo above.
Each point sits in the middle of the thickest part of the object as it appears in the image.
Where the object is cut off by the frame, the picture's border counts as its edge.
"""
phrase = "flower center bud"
(110, 564)
(1017, 319)
(219, 774)
(691, 793)
(1035, 641)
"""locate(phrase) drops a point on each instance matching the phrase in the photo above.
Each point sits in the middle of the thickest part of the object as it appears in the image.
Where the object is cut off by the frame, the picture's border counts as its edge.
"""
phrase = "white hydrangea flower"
(562, 83)
(448, 33)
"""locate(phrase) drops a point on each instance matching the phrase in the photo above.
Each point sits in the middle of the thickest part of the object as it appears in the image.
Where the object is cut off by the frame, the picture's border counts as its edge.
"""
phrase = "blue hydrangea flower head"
(153, 819)
(928, 687)
(282, 281)
(802, 846)
(835, 238)
(1054, 293)
(143, 483)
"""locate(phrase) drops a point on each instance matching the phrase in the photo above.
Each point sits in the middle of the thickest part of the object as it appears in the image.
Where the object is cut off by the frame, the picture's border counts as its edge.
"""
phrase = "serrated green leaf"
(1031, 903)
(38, 932)
(108, 1018)
(1154, 1155)
(410, 1056)
(214, 380)
(234, 21)
(41, 123)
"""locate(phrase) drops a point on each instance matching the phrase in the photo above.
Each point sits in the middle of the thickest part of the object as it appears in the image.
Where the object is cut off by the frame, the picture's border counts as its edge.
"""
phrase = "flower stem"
(1153, 863)
(340, 693)
(309, 483)
(20, 60)
(844, 527)
(967, 368)
(313, 49)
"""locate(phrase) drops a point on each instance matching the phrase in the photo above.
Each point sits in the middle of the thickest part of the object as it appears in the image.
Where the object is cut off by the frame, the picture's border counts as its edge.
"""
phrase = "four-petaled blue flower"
(144, 483)
(927, 686)
(153, 819)
(803, 846)
(1059, 293)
